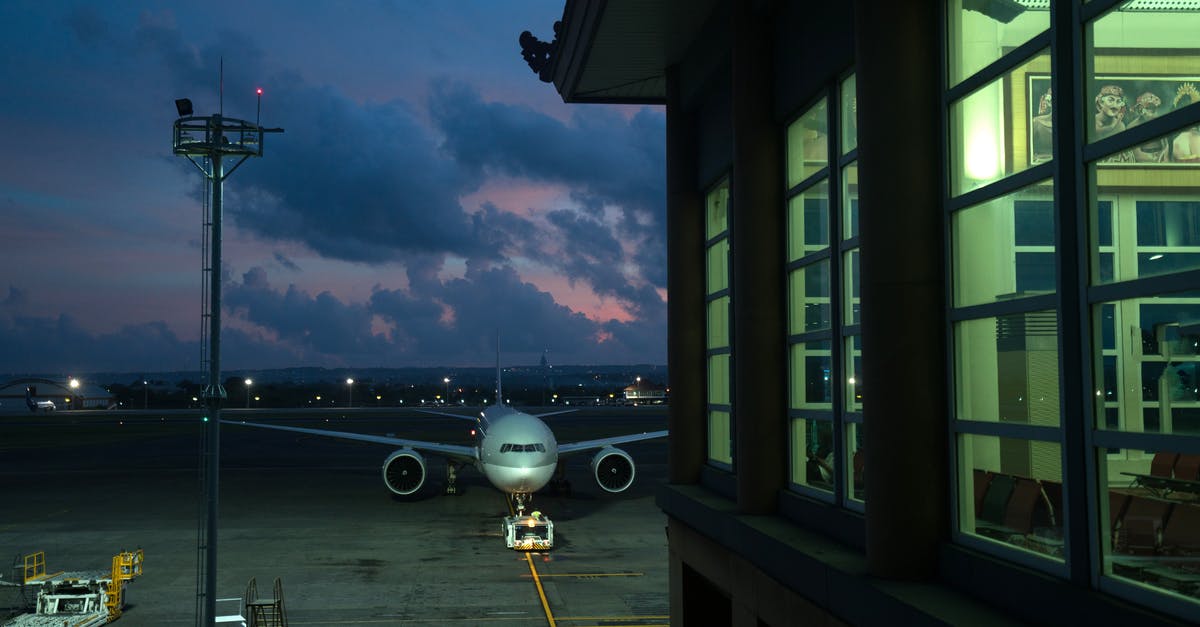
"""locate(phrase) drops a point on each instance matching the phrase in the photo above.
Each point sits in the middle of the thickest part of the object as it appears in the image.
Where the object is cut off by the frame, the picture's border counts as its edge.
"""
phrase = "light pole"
(74, 383)
(208, 142)
(145, 394)
(446, 380)
(350, 386)
(249, 382)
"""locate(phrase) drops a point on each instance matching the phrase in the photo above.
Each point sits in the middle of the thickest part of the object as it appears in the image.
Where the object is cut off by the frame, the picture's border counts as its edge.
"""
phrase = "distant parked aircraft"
(37, 407)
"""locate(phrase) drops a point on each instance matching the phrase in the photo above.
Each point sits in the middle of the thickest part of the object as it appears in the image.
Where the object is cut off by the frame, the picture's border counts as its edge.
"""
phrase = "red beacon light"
(258, 91)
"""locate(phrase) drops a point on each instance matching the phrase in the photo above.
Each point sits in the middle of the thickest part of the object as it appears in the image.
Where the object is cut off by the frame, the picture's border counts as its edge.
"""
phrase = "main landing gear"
(452, 478)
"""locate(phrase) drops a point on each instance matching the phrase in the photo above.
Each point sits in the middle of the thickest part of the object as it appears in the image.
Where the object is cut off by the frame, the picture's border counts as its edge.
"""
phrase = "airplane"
(514, 450)
(43, 407)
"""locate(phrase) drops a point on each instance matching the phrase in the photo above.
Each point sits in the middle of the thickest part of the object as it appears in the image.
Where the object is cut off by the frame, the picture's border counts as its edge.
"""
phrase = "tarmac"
(314, 512)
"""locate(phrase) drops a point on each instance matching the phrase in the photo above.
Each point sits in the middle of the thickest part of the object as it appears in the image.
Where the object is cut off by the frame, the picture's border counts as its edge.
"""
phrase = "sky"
(427, 191)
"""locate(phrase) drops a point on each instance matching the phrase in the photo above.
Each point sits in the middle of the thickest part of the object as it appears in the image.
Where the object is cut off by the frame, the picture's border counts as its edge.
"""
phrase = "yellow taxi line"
(586, 575)
(537, 580)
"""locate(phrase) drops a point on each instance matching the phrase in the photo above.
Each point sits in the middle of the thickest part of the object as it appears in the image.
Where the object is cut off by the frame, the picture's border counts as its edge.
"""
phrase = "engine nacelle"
(613, 469)
(404, 471)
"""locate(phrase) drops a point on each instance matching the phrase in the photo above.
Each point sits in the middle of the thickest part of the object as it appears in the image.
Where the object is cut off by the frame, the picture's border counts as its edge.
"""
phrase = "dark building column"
(903, 302)
(756, 240)
(686, 417)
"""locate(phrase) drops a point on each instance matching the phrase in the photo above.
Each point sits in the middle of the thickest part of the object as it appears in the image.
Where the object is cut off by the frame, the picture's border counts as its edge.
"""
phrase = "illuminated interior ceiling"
(1132, 5)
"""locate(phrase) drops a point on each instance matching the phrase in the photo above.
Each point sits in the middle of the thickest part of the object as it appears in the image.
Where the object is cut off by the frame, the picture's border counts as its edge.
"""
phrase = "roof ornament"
(539, 54)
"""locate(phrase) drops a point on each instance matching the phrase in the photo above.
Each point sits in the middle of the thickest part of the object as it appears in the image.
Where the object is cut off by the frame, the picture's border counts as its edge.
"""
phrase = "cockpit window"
(537, 447)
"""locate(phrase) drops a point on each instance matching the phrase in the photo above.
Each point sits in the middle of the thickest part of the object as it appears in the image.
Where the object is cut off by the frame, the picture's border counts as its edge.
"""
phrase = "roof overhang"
(617, 51)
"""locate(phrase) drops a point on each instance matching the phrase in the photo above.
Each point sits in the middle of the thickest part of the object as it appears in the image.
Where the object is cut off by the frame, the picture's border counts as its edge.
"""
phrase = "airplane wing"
(586, 445)
(454, 452)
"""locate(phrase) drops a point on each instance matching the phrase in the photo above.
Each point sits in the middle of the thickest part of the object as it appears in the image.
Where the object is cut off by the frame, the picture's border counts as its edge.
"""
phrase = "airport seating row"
(1019, 510)
(1156, 541)
(1175, 466)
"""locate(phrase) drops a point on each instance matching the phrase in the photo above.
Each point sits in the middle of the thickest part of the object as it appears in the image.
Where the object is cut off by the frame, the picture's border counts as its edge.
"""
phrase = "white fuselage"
(517, 452)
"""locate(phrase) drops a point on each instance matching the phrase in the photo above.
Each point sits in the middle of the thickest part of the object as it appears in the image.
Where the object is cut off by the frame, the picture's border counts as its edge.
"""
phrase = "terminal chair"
(1163, 464)
(983, 478)
(995, 502)
(1117, 502)
(1187, 467)
(1141, 526)
(1181, 535)
(1018, 515)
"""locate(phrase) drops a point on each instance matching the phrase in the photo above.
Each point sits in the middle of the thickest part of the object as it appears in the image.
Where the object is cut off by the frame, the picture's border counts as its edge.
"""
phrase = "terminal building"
(934, 273)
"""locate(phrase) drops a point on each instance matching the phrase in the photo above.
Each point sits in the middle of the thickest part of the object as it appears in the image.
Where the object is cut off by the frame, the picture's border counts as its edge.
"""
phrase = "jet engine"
(613, 469)
(404, 471)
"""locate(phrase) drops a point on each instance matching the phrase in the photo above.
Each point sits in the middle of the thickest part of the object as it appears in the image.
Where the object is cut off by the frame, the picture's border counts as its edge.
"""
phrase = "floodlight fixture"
(183, 106)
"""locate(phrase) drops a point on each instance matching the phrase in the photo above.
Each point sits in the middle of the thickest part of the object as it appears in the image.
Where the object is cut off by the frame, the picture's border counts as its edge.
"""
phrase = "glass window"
(1154, 359)
(718, 266)
(814, 454)
(808, 298)
(849, 118)
(717, 210)
(988, 141)
(1006, 369)
(1000, 250)
(808, 221)
(718, 322)
(981, 32)
(850, 200)
(1143, 66)
(1010, 491)
(808, 144)
(853, 307)
(1151, 519)
(720, 437)
(718, 379)
(854, 388)
(718, 338)
(857, 456)
(811, 369)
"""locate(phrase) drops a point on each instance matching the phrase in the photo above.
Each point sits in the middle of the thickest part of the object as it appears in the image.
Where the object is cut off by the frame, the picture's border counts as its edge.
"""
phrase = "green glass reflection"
(989, 262)
(720, 437)
(808, 144)
(1149, 518)
(717, 270)
(853, 306)
(854, 381)
(984, 32)
(1150, 348)
(718, 379)
(808, 221)
(856, 469)
(1144, 219)
(849, 117)
(810, 367)
(718, 322)
(1010, 491)
(1139, 74)
(850, 200)
(808, 298)
(1007, 369)
(987, 144)
(814, 458)
(716, 210)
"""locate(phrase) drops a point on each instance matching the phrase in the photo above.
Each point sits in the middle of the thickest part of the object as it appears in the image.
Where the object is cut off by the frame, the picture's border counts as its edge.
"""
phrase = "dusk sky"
(428, 189)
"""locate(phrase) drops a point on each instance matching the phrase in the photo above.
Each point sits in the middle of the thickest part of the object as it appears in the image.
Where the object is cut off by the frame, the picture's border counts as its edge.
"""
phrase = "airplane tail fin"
(29, 399)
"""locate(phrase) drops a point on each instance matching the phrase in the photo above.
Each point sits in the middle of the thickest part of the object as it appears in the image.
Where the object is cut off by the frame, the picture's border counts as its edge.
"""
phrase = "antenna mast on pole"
(207, 142)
